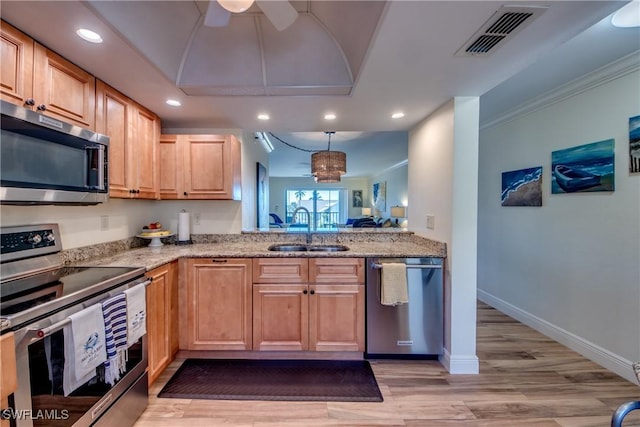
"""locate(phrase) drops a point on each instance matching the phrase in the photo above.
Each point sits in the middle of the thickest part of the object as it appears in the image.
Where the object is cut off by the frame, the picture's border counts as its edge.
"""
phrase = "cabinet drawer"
(280, 270)
(336, 270)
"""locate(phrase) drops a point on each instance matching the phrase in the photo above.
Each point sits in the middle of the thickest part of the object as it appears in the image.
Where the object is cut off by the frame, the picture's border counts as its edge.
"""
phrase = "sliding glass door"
(326, 207)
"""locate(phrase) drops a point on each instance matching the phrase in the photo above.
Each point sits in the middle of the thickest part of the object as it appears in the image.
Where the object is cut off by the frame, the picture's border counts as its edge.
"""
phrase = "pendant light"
(328, 166)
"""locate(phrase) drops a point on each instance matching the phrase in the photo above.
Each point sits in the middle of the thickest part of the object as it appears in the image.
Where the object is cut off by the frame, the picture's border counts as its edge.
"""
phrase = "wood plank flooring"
(526, 379)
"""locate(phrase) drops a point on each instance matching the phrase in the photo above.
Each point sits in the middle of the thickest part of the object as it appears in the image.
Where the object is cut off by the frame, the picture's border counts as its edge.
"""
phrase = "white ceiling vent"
(502, 25)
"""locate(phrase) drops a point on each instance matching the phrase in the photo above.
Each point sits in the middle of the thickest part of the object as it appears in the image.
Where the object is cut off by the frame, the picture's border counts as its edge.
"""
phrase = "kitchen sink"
(327, 248)
(288, 247)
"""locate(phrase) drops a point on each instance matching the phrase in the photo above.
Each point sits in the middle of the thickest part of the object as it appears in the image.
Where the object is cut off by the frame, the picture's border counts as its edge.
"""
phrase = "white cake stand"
(155, 240)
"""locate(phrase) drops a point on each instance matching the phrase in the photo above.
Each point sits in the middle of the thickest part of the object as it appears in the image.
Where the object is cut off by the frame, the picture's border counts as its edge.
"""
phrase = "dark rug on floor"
(300, 380)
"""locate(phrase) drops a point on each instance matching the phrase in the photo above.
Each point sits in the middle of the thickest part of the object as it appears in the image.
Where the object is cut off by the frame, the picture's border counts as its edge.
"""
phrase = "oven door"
(40, 399)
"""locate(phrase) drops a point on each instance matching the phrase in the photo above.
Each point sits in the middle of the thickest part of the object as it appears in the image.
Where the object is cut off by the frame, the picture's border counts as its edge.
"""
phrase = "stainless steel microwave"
(45, 161)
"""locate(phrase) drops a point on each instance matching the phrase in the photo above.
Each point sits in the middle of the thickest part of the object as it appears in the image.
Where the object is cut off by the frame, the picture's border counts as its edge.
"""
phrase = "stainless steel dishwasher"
(413, 330)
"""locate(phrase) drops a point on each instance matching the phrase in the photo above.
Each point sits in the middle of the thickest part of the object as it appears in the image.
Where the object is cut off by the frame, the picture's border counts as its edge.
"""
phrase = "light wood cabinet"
(323, 311)
(38, 78)
(199, 167)
(218, 304)
(133, 139)
(16, 62)
(8, 372)
(162, 295)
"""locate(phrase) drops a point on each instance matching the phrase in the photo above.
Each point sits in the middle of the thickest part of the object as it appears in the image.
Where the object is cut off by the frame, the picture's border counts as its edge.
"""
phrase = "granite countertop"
(248, 247)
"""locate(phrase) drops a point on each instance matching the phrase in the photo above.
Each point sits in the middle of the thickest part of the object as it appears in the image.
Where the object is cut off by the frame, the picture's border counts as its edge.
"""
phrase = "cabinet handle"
(220, 261)
(138, 191)
(42, 107)
(304, 292)
(132, 191)
(312, 292)
(30, 101)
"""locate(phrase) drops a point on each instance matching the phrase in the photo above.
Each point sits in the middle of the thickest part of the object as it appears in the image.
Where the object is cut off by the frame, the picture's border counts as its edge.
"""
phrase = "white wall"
(443, 159)
(571, 267)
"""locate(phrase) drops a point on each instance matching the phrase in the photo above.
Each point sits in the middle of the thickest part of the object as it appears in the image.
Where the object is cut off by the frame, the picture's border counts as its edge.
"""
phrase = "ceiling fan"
(281, 13)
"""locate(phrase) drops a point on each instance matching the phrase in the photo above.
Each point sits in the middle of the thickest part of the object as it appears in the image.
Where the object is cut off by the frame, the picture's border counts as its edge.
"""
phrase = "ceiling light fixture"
(263, 117)
(173, 102)
(627, 16)
(397, 115)
(236, 6)
(327, 165)
(330, 116)
(88, 35)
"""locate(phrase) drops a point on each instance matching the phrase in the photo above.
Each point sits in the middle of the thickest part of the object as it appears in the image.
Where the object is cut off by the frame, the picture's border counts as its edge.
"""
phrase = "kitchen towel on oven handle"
(84, 345)
(136, 313)
(114, 311)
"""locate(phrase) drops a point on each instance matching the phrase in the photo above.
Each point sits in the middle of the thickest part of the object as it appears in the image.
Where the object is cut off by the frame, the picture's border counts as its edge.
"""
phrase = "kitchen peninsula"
(229, 295)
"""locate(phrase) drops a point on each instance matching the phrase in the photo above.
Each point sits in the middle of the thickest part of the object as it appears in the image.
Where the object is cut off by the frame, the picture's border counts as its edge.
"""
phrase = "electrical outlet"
(104, 223)
(196, 219)
(431, 222)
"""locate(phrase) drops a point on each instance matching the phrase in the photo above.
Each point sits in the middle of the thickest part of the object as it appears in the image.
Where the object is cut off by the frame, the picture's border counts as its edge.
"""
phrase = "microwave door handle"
(95, 167)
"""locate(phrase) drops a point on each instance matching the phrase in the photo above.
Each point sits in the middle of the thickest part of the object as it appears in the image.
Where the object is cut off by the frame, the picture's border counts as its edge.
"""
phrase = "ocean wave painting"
(522, 187)
(634, 144)
(584, 168)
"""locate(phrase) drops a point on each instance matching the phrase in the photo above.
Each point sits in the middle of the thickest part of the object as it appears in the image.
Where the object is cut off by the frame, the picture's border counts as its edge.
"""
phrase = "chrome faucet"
(293, 215)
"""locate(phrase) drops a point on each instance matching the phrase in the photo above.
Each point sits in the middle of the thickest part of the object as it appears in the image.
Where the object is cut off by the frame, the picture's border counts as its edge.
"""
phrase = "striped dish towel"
(114, 311)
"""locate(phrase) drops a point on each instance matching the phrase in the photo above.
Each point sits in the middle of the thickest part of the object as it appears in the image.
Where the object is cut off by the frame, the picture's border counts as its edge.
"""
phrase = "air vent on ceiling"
(502, 25)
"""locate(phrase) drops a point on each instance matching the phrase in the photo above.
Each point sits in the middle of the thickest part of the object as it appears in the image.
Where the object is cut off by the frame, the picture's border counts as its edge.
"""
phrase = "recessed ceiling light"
(397, 115)
(263, 116)
(88, 35)
(627, 16)
(330, 116)
(174, 102)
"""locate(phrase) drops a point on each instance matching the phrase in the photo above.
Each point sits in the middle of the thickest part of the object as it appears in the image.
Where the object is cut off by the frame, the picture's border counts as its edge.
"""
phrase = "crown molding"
(605, 74)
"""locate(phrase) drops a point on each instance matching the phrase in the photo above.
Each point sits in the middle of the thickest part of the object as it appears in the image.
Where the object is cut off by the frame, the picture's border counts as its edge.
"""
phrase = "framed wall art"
(522, 187)
(356, 199)
(585, 168)
(634, 145)
(380, 196)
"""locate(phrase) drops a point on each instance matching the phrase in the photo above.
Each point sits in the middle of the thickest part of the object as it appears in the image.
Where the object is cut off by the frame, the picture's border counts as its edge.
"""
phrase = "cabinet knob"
(42, 107)
(30, 101)
(312, 292)
(305, 292)
(186, 194)
(131, 191)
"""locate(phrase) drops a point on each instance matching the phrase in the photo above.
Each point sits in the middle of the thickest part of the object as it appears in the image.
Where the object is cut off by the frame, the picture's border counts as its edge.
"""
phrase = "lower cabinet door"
(218, 304)
(336, 317)
(280, 317)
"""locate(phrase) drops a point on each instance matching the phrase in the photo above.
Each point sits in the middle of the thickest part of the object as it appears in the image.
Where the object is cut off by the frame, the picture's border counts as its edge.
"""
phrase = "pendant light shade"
(328, 166)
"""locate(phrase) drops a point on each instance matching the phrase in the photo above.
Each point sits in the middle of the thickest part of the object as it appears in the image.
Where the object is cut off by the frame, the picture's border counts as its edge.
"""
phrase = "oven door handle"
(44, 332)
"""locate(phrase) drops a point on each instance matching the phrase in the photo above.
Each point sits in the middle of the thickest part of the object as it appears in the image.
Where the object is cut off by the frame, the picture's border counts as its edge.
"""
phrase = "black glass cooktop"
(51, 290)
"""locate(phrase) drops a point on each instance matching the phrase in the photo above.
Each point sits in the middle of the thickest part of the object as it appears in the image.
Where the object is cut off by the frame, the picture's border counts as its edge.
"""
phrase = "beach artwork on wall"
(585, 168)
(634, 144)
(522, 187)
(380, 196)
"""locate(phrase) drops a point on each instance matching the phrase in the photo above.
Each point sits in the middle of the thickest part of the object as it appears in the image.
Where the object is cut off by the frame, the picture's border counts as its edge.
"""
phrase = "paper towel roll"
(183, 226)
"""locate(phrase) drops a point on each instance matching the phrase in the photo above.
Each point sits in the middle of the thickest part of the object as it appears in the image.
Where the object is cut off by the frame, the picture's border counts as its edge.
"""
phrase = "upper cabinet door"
(113, 118)
(16, 62)
(147, 135)
(62, 89)
(199, 167)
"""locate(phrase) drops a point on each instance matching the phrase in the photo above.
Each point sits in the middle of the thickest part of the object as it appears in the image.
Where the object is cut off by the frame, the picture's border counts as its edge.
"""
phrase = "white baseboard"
(599, 355)
(460, 364)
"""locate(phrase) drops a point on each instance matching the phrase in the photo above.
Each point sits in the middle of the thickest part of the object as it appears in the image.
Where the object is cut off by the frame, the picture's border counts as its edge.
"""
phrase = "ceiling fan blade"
(280, 13)
(216, 15)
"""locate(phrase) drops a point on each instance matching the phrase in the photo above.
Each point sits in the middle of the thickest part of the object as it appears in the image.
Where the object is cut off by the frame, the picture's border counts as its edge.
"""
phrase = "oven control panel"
(20, 241)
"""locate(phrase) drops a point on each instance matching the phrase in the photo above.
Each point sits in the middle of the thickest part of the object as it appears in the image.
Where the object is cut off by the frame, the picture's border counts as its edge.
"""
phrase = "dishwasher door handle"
(376, 265)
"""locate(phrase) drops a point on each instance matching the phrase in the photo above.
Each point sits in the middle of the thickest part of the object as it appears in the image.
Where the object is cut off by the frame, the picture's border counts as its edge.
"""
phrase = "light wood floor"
(525, 379)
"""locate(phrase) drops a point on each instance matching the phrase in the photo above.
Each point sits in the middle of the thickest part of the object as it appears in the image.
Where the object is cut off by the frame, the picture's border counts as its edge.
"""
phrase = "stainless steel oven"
(37, 296)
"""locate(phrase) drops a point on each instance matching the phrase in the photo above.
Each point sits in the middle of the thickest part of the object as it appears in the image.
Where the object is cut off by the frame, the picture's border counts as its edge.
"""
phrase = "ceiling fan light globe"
(236, 6)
